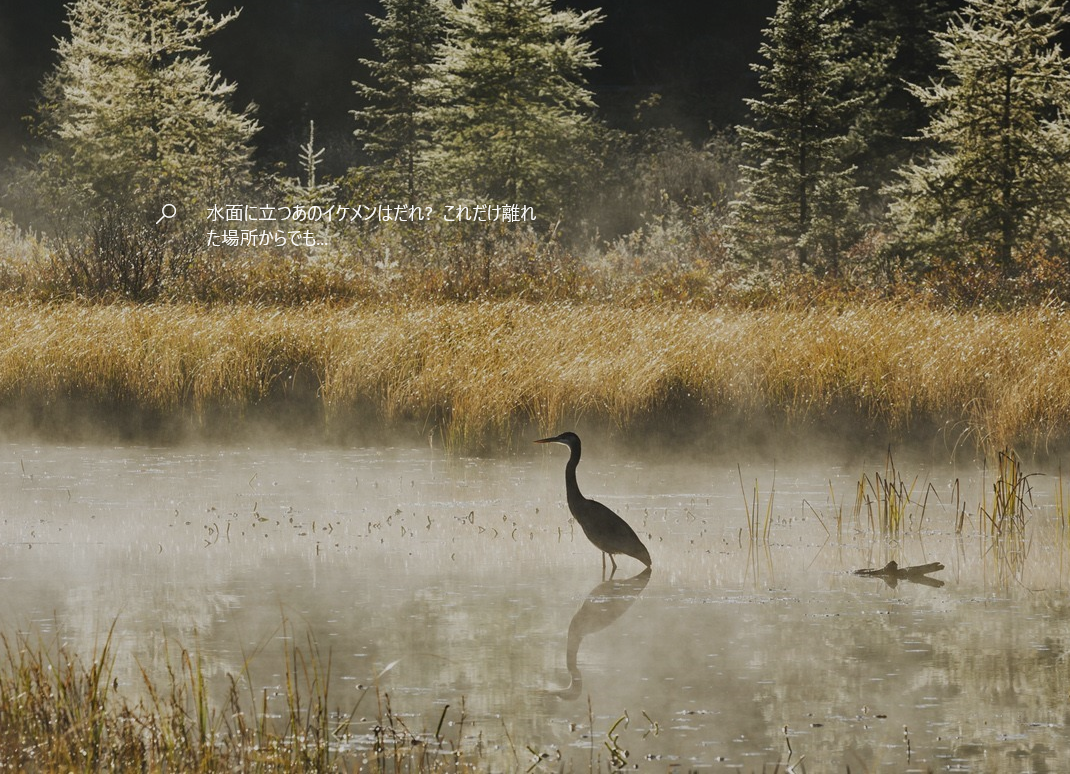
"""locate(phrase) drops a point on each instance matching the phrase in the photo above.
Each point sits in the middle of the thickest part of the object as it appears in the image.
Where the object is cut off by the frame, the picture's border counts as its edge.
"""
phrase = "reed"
(758, 529)
(60, 712)
(488, 372)
(1006, 516)
(890, 503)
(887, 506)
(1062, 502)
(1012, 497)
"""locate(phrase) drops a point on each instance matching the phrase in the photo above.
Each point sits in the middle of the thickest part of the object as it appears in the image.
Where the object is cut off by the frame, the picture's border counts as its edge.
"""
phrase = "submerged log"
(893, 570)
(892, 573)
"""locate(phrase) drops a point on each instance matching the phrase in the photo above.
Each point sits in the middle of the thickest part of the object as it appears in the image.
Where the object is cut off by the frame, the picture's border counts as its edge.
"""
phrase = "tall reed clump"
(60, 712)
(486, 372)
(893, 507)
(1012, 497)
(55, 710)
(1006, 515)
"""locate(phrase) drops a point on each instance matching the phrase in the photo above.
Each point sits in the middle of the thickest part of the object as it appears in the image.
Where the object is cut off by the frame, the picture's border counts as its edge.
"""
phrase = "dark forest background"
(296, 60)
(734, 148)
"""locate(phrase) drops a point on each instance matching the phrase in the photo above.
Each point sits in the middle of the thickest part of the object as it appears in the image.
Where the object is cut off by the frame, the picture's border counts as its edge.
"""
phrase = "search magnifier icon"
(167, 212)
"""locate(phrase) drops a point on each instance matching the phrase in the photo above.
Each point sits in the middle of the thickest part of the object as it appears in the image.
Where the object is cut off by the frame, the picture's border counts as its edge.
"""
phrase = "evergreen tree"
(134, 118)
(892, 44)
(998, 173)
(799, 198)
(511, 111)
(392, 125)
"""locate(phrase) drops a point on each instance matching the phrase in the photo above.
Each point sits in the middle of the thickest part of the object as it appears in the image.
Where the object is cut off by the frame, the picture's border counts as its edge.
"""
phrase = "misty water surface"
(468, 577)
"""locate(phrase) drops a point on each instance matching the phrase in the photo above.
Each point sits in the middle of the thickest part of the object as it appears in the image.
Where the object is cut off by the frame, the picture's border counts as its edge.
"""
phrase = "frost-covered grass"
(485, 372)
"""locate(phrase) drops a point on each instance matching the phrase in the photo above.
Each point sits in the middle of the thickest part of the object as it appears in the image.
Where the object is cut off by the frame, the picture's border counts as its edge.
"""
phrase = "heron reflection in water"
(605, 604)
(608, 531)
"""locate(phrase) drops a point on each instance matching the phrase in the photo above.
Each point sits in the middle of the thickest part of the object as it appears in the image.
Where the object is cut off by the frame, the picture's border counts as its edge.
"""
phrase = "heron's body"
(608, 531)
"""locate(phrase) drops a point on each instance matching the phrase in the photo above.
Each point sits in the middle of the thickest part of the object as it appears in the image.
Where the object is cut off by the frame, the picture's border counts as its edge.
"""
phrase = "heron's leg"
(614, 561)
(603, 564)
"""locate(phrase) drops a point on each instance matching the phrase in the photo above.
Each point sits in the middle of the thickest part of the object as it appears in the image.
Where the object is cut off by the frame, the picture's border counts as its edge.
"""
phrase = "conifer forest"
(916, 149)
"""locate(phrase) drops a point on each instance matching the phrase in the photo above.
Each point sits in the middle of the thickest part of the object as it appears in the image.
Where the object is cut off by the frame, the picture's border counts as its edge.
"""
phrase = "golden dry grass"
(483, 371)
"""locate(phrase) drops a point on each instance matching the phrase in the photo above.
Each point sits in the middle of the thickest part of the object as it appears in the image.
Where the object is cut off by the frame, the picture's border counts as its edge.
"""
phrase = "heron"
(608, 531)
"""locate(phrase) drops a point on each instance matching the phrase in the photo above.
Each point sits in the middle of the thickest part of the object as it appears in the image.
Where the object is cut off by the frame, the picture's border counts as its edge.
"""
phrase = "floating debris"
(892, 573)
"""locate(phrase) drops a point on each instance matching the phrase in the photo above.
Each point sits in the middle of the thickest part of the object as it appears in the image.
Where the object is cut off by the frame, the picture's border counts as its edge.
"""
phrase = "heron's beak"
(546, 440)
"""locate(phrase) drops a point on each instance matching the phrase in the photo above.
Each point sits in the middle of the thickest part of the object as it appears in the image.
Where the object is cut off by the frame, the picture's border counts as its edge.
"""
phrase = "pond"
(454, 596)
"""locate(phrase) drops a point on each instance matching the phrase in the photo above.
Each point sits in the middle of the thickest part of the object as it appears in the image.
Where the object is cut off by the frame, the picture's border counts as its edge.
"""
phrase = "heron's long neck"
(572, 488)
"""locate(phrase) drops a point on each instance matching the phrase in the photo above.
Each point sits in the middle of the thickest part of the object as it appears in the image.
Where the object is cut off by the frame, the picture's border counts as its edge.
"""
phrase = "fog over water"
(453, 580)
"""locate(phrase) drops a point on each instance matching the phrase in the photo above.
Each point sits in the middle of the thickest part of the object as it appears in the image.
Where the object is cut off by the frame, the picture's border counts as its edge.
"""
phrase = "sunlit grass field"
(484, 373)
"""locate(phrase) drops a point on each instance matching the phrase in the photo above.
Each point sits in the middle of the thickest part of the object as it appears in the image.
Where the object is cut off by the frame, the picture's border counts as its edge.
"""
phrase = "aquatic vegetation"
(1062, 501)
(890, 502)
(618, 755)
(61, 711)
(757, 526)
(1012, 497)
(487, 373)
(1006, 516)
(887, 506)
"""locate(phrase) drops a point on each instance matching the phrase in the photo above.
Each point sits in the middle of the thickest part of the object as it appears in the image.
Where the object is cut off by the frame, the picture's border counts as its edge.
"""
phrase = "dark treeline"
(296, 59)
(708, 151)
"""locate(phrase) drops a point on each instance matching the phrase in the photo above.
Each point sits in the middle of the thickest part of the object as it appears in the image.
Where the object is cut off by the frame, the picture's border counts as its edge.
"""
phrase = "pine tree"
(134, 118)
(998, 173)
(799, 197)
(511, 111)
(392, 124)
(892, 44)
